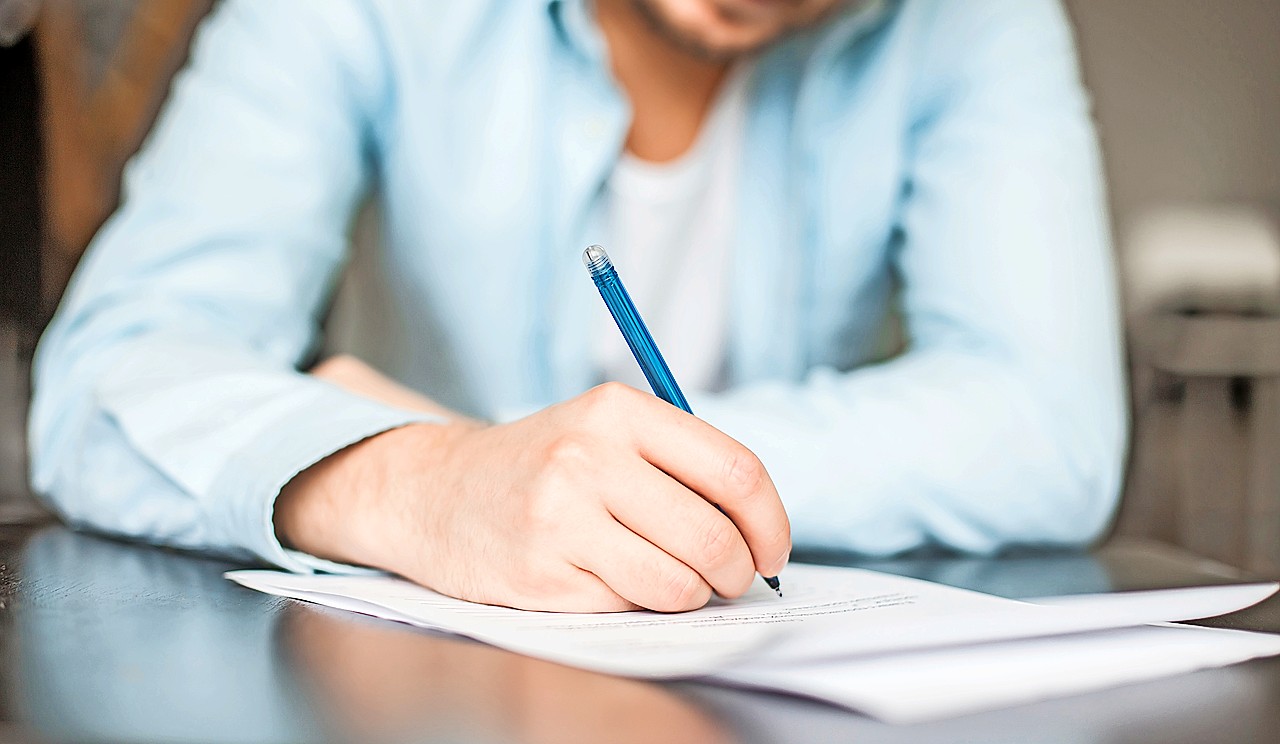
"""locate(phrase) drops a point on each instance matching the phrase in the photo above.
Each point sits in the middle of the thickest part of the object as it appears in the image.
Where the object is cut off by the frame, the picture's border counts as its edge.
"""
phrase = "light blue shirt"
(938, 154)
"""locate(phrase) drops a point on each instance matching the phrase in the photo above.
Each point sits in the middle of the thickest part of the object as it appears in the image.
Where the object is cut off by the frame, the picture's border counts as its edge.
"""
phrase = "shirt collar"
(852, 22)
(575, 27)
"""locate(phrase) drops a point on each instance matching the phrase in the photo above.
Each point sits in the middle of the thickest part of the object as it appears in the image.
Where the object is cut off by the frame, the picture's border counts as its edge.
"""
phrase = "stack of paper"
(895, 648)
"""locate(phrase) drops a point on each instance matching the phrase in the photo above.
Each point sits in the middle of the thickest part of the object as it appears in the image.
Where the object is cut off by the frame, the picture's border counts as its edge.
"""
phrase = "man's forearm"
(331, 510)
(352, 374)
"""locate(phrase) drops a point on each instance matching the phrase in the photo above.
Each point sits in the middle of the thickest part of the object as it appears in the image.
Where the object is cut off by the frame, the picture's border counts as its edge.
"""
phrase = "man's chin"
(712, 30)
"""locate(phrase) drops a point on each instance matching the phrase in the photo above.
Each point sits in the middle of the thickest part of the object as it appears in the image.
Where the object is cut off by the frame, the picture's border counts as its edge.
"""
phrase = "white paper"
(925, 685)
(1167, 605)
(870, 612)
(966, 620)
(604, 643)
(897, 648)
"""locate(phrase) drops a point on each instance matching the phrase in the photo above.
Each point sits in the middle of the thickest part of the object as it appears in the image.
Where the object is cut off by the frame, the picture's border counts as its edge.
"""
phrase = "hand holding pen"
(640, 341)
(604, 502)
(608, 501)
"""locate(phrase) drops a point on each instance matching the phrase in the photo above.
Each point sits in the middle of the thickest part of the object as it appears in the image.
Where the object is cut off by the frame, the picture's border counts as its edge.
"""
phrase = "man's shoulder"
(953, 25)
(945, 40)
(976, 12)
(445, 22)
(944, 29)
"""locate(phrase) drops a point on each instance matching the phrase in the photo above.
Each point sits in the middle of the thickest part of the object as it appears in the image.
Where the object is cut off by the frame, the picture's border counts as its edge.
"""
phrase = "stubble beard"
(685, 42)
(696, 47)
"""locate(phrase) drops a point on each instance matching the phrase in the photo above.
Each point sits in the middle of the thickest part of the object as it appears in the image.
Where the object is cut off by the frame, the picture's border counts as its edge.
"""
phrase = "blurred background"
(1187, 96)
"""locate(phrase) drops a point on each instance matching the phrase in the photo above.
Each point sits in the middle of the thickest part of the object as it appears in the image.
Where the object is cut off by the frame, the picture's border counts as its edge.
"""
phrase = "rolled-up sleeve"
(167, 402)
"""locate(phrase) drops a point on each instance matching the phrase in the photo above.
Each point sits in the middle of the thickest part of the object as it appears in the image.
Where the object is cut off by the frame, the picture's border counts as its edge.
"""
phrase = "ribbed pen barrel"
(632, 327)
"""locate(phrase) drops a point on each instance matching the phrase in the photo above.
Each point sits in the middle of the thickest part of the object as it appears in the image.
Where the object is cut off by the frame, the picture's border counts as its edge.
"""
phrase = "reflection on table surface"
(108, 641)
(378, 683)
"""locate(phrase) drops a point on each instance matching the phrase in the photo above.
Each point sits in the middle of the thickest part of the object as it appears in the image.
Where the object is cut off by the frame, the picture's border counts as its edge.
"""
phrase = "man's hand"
(604, 502)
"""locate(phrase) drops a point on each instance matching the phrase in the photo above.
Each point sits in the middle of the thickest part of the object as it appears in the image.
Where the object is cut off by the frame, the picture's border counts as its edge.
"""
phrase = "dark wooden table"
(107, 641)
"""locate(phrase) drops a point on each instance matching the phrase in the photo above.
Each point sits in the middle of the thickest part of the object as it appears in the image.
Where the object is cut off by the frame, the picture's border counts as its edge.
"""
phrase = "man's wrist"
(337, 508)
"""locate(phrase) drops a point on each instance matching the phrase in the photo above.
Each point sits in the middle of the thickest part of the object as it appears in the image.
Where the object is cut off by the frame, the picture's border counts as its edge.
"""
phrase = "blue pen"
(639, 341)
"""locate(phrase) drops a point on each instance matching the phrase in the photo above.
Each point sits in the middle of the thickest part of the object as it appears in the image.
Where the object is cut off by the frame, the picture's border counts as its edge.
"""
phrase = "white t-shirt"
(670, 229)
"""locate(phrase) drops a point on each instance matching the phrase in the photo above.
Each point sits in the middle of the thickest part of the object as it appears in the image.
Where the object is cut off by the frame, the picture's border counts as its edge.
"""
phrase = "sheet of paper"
(974, 622)
(826, 613)
(1168, 605)
(598, 642)
(850, 611)
(925, 685)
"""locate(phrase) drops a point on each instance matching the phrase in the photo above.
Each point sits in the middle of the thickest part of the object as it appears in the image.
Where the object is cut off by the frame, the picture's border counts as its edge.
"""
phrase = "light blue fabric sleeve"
(167, 404)
(1004, 422)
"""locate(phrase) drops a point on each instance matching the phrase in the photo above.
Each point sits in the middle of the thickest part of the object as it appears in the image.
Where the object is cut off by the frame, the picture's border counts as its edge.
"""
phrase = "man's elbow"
(1080, 498)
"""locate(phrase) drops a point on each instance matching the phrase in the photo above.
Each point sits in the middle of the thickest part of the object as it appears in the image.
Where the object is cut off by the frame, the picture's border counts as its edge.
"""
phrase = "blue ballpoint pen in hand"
(638, 339)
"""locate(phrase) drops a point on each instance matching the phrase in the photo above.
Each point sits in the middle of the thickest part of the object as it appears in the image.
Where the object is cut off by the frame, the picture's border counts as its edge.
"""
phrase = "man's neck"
(670, 89)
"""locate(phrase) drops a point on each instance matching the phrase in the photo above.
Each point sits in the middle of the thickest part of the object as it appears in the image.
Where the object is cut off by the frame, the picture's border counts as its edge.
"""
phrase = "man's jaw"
(723, 30)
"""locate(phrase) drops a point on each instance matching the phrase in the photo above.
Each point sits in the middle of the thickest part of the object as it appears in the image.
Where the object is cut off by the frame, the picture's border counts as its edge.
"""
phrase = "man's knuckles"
(717, 543)
(680, 590)
(606, 401)
(743, 475)
(569, 451)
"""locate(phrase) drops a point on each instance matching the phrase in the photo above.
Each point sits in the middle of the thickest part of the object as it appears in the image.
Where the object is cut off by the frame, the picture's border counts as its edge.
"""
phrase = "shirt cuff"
(323, 422)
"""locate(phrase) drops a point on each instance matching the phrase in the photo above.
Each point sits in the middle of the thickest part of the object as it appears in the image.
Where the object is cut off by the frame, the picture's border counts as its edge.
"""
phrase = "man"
(767, 170)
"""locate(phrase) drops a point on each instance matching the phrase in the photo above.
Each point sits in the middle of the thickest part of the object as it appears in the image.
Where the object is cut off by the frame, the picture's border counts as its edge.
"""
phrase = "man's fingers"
(640, 572)
(684, 525)
(710, 463)
(587, 593)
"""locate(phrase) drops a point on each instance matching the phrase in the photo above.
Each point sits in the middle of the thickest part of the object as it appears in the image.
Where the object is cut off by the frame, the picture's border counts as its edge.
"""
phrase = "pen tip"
(774, 584)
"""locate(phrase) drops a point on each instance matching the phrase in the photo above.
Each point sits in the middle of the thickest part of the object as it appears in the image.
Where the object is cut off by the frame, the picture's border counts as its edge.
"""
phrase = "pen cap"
(596, 260)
